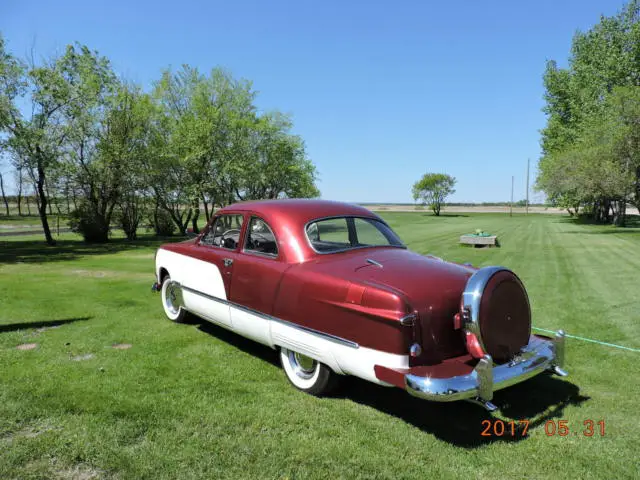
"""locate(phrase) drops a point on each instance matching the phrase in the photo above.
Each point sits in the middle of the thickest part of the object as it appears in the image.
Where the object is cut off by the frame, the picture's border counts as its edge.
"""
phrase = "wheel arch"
(162, 273)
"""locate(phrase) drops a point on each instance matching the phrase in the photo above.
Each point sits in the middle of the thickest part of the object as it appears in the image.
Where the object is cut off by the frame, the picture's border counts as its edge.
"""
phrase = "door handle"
(228, 262)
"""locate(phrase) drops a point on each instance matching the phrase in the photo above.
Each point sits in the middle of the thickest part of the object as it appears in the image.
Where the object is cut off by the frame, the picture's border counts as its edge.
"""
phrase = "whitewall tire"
(307, 374)
(172, 300)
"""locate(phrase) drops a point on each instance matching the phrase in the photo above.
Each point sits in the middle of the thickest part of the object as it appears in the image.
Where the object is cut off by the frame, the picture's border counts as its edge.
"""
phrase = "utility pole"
(511, 204)
(527, 203)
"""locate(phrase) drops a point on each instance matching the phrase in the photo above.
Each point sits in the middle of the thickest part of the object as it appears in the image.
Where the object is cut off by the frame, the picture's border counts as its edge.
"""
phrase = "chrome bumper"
(539, 355)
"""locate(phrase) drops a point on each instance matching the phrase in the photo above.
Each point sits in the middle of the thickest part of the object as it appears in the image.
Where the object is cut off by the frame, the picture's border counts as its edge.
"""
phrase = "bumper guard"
(542, 353)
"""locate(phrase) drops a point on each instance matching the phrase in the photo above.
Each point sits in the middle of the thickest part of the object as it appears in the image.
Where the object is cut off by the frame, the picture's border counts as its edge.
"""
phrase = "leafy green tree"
(589, 144)
(432, 189)
(60, 93)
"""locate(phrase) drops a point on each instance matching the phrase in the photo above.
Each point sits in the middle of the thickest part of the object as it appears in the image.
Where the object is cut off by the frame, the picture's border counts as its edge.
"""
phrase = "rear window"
(344, 233)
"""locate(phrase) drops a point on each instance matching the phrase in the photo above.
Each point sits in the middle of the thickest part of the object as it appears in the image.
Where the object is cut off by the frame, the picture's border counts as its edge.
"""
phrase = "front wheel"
(172, 300)
(307, 374)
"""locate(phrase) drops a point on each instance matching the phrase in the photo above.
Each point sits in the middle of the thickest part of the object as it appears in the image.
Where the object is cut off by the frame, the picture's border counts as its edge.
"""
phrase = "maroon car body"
(333, 288)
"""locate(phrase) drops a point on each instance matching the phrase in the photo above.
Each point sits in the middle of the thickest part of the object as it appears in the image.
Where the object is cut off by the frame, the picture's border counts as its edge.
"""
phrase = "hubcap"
(172, 298)
(303, 366)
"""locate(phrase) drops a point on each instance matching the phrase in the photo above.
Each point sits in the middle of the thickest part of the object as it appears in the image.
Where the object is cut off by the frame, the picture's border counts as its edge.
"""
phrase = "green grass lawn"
(195, 401)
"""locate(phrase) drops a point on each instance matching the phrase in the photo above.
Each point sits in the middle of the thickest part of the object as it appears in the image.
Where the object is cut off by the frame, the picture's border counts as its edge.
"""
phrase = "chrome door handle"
(228, 262)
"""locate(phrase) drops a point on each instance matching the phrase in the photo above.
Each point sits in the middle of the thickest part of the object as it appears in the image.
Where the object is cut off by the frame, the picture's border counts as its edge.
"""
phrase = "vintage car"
(333, 288)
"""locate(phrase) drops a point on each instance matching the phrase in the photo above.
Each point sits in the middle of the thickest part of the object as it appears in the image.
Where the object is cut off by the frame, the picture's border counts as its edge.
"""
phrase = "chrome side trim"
(326, 336)
(538, 356)
(373, 262)
(472, 296)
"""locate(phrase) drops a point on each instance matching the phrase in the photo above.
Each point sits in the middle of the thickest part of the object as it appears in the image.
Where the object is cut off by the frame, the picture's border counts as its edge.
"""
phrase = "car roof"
(299, 210)
(287, 217)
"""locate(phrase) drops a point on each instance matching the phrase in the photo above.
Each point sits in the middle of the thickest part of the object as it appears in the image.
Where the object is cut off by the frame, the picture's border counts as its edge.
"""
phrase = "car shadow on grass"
(529, 406)
(537, 401)
(12, 327)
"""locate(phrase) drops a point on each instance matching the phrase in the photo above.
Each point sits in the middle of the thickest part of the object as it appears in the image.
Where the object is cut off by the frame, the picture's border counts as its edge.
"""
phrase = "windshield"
(344, 233)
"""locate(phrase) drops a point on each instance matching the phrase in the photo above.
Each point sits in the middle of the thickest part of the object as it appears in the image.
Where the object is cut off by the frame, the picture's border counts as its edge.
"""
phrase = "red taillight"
(457, 321)
(473, 345)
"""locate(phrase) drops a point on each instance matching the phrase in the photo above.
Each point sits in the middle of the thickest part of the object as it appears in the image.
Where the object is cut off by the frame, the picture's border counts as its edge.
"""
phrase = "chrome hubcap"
(172, 298)
(303, 366)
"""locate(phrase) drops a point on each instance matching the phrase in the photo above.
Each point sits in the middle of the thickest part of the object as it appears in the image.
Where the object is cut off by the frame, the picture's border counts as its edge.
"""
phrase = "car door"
(218, 248)
(257, 273)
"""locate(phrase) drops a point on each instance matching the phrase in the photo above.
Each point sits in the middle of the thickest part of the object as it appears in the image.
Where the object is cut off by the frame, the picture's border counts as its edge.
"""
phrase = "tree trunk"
(196, 214)
(66, 194)
(4, 197)
(26, 199)
(19, 199)
(42, 204)
(49, 202)
(619, 212)
(206, 207)
(155, 218)
(436, 209)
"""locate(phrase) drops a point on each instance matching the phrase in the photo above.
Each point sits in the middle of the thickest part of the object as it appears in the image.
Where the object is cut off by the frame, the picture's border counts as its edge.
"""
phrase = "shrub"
(162, 223)
(129, 218)
(89, 223)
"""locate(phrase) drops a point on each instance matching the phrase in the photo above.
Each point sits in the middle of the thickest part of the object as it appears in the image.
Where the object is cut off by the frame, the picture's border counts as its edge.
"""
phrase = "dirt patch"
(29, 431)
(44, 329)
(122, 346)
(108, 274)
(89, 273)
(27, 346)
(79, 472)
(86, 356)
(139, 255)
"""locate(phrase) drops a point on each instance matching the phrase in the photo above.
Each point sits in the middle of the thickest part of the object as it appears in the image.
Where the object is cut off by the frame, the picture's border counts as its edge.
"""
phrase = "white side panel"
(359, 362)
(305, 343)
(251, 326)
(199, 275)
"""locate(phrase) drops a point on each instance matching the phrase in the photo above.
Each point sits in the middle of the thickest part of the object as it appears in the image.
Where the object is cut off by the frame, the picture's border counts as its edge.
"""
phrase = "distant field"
(194, 401)
(477, 209)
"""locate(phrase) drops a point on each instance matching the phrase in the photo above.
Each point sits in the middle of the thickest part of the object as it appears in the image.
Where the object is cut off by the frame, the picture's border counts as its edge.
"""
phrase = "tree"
(432, 189)
(59, 92)
(4, 197)
(590, 145)
(213, 148)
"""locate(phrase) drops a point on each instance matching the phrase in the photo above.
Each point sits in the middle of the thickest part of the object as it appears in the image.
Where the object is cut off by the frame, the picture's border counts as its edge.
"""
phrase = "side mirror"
(190, 233)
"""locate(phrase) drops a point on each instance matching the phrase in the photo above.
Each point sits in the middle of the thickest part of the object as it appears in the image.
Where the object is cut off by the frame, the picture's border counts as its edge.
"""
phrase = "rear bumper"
(542, 353)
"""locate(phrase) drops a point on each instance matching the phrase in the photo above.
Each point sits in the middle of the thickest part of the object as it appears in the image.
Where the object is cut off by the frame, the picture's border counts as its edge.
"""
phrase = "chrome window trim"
(326, 336)
(331, 217)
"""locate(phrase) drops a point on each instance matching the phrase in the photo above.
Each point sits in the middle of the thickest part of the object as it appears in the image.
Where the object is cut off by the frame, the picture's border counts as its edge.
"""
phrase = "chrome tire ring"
(172, 300)
(303, 366)
(303, 372)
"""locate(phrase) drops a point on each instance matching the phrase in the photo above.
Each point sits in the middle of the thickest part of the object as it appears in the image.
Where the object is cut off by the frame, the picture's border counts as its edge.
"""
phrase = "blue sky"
(382, 92)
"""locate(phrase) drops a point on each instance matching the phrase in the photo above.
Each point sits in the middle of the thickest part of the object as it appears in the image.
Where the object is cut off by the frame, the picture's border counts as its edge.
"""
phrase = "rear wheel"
(172, 300)
(307, 374)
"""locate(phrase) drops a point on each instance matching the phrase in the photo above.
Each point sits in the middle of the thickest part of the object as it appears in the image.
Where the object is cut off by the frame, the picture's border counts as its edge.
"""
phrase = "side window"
(330, 234)
(368, 233)
(260, 238)
(224, 232)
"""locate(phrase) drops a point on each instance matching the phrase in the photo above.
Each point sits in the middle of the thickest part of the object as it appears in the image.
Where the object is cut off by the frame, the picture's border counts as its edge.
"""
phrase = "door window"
(224, 232)
(260, 238)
